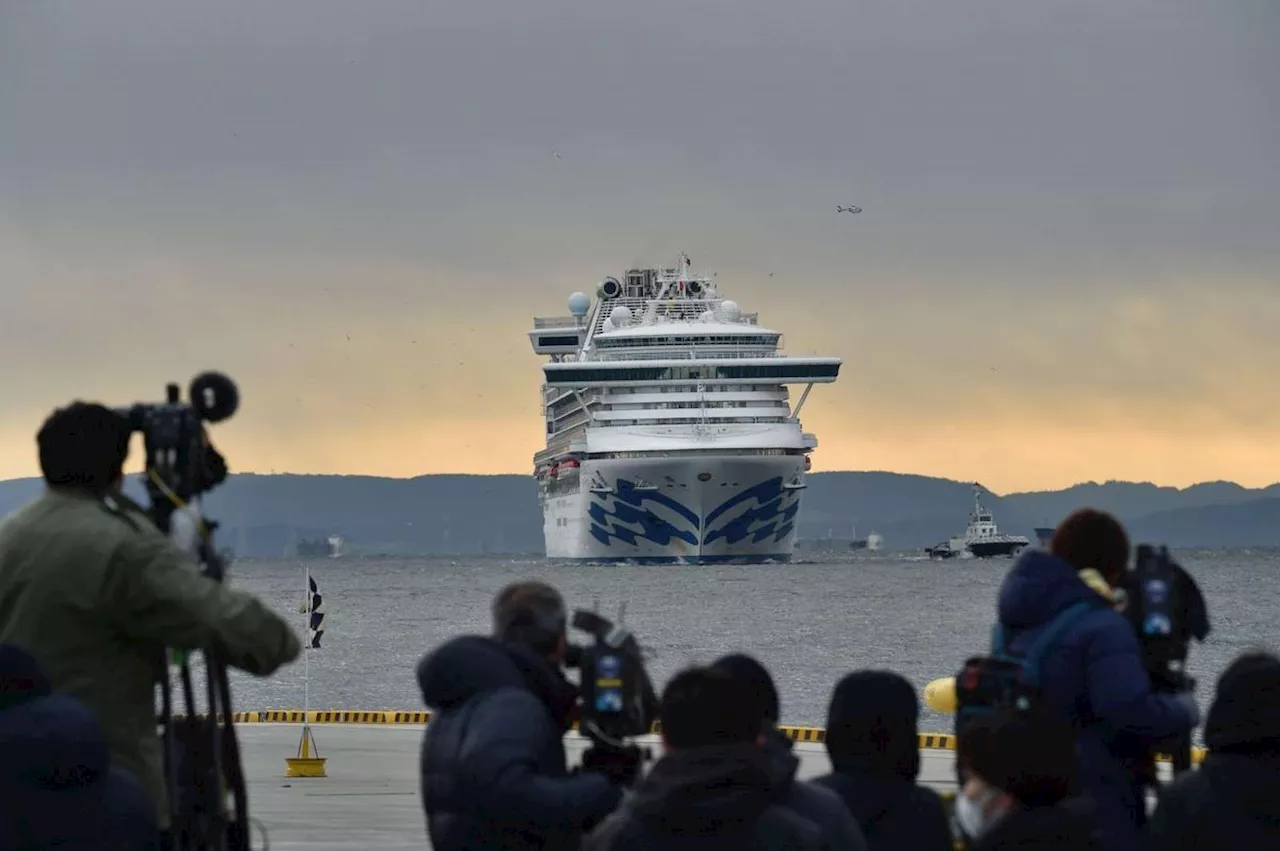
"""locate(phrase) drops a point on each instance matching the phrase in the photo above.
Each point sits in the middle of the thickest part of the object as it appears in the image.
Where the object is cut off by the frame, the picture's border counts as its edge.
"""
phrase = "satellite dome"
(578, 304)
(730, 312)
(620, 316)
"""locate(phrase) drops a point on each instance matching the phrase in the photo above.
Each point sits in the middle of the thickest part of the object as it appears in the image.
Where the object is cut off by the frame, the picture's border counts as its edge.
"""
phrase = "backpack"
(1005, 680)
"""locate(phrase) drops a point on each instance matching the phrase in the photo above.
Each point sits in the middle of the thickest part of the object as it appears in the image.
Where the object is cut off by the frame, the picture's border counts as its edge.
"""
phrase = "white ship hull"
(683, 510)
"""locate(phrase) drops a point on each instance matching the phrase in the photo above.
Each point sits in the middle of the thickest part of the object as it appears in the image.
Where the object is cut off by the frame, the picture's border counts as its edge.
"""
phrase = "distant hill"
(1254, 523)
(264, 515)
(1132, 500)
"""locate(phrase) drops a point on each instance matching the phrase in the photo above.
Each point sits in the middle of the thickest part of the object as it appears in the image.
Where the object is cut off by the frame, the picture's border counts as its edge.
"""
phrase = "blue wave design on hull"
(628, 507)
(776, 519)
(773, 517)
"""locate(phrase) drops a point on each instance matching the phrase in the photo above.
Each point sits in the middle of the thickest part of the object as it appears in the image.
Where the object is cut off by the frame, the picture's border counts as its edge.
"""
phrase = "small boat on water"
(981, 539)
(1043, 534)
(871, 543)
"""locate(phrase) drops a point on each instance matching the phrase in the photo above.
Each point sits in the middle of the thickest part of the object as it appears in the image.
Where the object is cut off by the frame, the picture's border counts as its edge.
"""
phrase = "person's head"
(533, 614)
(1011, 760)
(1089, 538)
(871, 725)
(1245, 715)
(704, 706)
(84, 446)
(21, 679)
(748, 671)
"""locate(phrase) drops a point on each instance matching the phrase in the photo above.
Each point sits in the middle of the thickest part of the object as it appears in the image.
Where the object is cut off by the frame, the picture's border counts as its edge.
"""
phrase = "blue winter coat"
(1096, 677)
(493, 762)
(57, 787)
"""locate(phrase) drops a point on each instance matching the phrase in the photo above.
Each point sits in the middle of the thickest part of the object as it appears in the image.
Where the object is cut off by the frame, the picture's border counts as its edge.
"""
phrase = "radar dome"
(578, 304)
(730, 312)
(620, 316)
(706, 316)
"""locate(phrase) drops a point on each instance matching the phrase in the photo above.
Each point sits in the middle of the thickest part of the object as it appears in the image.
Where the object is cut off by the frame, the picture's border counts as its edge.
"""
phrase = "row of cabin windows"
(626, 456)
(701, 340)
(717, 420)
(790, 371)
(677, 353)
(569, 406)
(559, 427)
(688, 390)
(660, 406)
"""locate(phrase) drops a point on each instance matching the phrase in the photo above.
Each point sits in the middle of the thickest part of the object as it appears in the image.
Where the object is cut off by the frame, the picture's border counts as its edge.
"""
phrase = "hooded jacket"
(1095, 677)
(1231, 802)
(721, 797)
(493, 763)
(812, 802)
(57, 787)
(1068, 826)
(872, 739)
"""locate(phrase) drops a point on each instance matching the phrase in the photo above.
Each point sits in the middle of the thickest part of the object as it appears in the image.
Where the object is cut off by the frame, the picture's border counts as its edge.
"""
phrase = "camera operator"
(494, 774)
(95, 593)
(1093, 673)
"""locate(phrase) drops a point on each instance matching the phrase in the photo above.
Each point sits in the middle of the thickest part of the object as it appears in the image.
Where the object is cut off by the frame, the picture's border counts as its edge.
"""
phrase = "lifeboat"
(567, 468)
(808, 463)
(551, 473)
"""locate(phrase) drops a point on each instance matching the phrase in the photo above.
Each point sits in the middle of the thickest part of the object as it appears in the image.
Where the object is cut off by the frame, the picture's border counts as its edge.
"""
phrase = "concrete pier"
(371, 797)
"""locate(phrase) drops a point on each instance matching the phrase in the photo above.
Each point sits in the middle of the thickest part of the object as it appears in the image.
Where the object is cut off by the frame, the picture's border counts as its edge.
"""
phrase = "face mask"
(970, 816)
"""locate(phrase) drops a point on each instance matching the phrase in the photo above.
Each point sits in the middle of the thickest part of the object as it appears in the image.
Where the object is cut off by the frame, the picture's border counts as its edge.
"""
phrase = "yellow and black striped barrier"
(418, 718)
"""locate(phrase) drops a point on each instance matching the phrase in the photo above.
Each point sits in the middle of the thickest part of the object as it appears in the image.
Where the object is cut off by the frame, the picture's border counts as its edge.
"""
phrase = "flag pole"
(306, 646)
(308, 762)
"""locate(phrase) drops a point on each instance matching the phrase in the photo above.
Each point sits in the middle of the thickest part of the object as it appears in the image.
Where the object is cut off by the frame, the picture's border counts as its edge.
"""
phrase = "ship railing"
(667, 309)
(677, 354)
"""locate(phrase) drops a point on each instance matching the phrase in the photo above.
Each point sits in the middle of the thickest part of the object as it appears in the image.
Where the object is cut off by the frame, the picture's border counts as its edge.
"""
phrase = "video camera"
(618, 698)
(181, 464)
(202, 760)
(1166, 609)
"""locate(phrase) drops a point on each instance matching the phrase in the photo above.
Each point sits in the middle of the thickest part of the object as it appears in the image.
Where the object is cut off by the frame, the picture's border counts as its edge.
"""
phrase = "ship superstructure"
(671, 436)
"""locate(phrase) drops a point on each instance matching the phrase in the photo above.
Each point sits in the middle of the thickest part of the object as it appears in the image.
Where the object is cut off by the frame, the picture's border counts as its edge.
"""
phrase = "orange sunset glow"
(1059, 274)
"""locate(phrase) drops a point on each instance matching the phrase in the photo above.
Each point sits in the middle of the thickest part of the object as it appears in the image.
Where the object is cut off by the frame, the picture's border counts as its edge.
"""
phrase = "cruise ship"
(671, 436)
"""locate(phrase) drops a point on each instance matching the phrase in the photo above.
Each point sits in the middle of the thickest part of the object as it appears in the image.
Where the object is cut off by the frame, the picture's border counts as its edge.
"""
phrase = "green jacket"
(95, 593)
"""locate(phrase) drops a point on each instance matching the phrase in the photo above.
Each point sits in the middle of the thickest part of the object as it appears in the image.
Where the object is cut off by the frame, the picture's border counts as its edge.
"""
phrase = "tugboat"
(1043, 534)
(982, 538)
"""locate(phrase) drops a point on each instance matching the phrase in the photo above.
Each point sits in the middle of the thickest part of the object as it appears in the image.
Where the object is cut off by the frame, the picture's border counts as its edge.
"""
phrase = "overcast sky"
(1067, 267)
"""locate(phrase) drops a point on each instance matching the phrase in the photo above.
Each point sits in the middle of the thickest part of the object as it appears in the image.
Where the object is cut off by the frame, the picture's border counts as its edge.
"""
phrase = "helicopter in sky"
(849, 209)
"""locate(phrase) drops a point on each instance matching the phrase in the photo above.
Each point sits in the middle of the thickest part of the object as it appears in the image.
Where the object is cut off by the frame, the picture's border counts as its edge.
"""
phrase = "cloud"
(1078, 195)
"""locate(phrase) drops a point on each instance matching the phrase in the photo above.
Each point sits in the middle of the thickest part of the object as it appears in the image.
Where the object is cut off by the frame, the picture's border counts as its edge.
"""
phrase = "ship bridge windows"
(557, 340)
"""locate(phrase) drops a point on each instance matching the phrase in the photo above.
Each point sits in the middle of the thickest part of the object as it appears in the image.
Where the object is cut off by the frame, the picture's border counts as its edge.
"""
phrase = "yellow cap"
(940, 695)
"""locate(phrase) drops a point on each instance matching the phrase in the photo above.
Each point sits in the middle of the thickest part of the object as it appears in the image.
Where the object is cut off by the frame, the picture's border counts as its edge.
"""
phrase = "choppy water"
(809, 623)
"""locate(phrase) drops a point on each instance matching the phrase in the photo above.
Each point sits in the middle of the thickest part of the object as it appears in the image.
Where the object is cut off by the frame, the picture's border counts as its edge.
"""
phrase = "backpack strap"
(997, 639)
(1064, 619)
